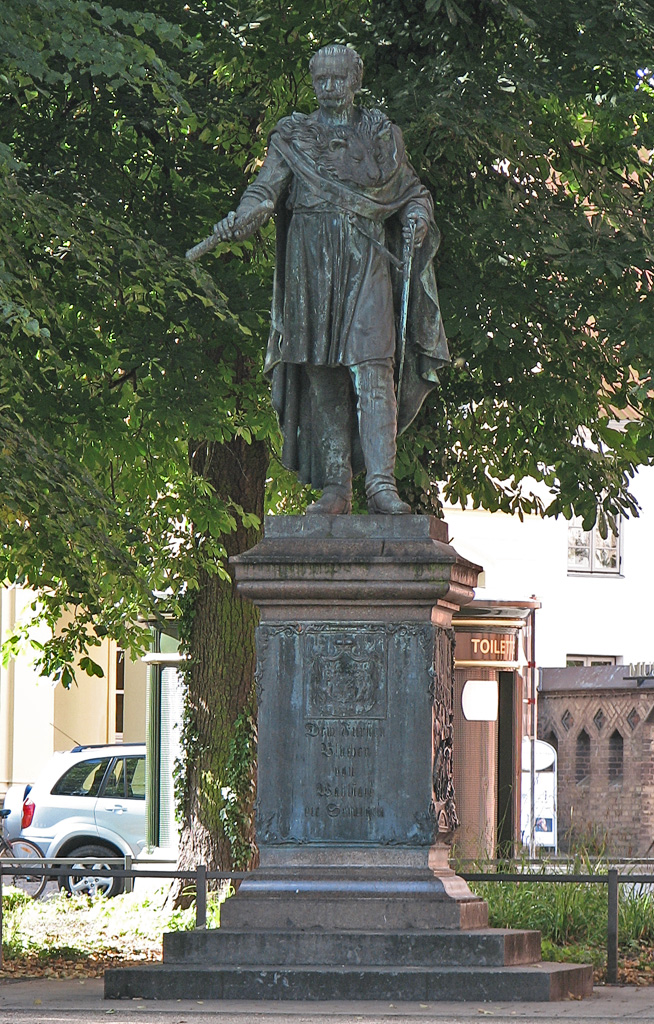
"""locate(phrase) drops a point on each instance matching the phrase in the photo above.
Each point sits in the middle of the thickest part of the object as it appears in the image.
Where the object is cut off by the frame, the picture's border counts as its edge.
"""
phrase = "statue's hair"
(354, 62)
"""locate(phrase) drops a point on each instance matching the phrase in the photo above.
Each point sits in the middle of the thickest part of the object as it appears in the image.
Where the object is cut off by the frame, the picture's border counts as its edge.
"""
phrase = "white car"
(89, 802)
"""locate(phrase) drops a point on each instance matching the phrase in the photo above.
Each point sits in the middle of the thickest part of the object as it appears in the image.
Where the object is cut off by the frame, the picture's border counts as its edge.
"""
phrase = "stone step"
(420, 906)
(221, 947)
(541, 982)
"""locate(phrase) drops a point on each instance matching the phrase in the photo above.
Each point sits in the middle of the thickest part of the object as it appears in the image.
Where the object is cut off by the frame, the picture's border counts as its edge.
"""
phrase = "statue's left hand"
(421, 228)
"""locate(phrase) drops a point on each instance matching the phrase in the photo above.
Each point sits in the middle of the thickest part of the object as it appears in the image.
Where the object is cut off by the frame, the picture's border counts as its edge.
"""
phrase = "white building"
(595, 595)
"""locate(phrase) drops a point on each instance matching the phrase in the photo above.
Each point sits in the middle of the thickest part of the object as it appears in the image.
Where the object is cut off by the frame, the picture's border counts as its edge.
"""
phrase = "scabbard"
(409, 248)
(252, 220)
(206, 245)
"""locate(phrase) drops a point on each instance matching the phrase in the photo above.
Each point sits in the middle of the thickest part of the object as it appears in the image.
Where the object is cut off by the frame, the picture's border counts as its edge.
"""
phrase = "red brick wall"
(598, 810)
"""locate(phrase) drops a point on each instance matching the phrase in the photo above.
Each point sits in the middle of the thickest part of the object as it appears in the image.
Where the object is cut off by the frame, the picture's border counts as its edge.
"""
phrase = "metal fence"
(54, 869)
(200, 877)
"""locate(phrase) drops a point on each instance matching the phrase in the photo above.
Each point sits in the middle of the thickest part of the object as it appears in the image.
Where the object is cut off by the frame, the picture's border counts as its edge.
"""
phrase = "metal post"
(129, 882)
(532, 722)
(612, 930)
(532, 798)
(153, 751)
(201, 896)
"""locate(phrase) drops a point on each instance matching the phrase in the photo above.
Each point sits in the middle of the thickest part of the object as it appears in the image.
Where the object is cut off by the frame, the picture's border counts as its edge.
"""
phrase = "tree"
(137, 436)
(136, 426)
(529, 126)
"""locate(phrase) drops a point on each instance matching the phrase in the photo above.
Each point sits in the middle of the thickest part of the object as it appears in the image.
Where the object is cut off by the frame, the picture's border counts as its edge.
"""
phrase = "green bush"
(83, 927)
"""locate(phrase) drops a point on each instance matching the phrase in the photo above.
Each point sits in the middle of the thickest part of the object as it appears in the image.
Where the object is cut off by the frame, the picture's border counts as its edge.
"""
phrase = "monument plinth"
(355, 802)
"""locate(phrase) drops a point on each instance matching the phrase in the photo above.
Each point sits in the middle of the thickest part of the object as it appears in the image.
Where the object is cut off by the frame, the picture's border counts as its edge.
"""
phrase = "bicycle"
(15, 850)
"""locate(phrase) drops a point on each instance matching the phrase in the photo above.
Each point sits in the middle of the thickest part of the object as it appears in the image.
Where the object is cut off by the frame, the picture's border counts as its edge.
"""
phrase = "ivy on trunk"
(216, 788)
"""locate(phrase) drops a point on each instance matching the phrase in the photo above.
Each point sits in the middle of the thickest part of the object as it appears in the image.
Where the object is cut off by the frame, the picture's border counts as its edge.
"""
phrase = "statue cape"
(426, 345)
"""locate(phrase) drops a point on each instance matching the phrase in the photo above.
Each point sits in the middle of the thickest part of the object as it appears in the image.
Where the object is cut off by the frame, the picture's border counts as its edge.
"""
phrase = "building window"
(599, 719)
(120, 695)
(567, 721)
(586, 660)
(588, 551)
(552, 739)
(582, 761)
(633, 718)
(616, 758)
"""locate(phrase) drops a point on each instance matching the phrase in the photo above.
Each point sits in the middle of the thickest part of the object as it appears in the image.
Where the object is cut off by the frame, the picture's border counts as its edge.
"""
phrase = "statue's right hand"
(226, 228)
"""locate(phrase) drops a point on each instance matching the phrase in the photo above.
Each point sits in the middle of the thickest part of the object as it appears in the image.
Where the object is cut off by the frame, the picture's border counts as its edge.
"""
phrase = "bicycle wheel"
(20, 878)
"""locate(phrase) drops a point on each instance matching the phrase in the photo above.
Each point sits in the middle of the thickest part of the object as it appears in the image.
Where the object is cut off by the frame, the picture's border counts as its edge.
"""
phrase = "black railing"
(200, 877)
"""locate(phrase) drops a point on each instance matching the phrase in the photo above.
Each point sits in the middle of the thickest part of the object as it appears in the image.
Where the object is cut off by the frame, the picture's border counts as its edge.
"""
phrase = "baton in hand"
(247, 224)
(407, 263)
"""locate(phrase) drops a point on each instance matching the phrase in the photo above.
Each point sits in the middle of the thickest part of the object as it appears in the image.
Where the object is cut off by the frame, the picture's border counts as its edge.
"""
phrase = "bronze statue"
(355, 243)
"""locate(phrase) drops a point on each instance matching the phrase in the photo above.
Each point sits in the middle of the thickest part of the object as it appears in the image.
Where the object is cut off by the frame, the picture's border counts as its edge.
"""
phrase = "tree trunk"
(217, 787)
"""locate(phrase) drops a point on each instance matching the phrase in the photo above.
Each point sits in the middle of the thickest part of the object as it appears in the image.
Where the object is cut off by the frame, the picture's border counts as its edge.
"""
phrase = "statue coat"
(342, 195)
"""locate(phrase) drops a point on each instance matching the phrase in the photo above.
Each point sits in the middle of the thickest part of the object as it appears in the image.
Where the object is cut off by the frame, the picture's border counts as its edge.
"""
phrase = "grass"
(65, 934)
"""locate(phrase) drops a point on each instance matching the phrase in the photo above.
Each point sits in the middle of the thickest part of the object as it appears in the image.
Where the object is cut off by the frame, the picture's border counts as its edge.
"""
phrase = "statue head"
(337, 73)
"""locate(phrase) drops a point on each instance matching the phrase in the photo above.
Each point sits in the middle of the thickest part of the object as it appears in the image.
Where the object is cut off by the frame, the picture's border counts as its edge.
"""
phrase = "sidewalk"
(48, 1001)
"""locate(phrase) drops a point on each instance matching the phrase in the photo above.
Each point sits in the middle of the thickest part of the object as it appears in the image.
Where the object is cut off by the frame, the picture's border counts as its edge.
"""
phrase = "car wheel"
(81, 878)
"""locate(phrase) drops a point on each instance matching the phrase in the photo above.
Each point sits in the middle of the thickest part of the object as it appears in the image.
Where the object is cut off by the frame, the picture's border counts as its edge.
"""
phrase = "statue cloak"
(367, 180)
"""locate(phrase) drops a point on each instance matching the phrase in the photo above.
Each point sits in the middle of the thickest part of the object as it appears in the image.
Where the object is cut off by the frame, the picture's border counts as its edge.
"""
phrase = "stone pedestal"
(354, 897)
(355, 802)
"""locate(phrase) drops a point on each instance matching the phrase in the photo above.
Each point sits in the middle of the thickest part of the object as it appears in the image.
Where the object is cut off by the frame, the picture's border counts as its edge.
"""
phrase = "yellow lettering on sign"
(502, 648)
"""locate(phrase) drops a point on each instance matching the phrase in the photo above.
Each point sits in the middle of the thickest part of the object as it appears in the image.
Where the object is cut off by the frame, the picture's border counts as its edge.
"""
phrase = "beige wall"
(136, 679)
(26, 703)
(37, 718)
(84, 713)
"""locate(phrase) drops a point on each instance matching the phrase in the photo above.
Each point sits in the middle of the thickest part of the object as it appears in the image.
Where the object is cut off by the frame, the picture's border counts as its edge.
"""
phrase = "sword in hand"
(233, 229)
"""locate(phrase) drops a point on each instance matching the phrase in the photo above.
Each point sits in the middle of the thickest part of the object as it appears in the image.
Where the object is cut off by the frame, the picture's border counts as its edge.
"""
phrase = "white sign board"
(480, 700)
(545, 762)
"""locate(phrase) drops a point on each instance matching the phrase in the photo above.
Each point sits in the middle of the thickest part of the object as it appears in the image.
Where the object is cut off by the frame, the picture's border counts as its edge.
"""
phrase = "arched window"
(552, 739)
(582, 763)
(616, 758)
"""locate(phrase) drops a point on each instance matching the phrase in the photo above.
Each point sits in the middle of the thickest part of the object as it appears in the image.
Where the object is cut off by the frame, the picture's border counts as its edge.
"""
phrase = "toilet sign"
(500, 650)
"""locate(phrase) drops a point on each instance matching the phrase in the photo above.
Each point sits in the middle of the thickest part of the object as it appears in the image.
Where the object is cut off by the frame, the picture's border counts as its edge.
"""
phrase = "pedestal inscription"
(358, 701)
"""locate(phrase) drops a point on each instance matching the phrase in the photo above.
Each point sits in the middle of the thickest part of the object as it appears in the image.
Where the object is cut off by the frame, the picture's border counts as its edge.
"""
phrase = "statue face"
(333, 84)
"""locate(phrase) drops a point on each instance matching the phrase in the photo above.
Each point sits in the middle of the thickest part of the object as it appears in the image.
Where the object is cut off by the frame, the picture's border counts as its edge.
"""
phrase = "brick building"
(601, 721)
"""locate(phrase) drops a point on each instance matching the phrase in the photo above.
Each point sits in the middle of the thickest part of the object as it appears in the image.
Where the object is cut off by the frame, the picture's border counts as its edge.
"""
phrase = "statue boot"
(377, 414)
(334, 502)
(331, 408)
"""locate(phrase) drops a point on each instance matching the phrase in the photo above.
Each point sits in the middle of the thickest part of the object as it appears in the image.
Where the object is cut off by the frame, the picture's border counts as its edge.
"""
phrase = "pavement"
(51, 1001)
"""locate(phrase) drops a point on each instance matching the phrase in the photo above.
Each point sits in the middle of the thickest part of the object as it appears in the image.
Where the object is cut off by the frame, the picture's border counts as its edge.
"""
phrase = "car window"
(126, 780)
(83, 779)
(136, 778)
